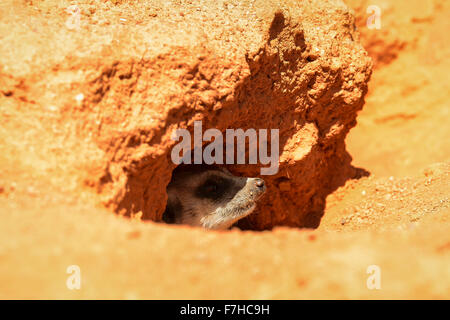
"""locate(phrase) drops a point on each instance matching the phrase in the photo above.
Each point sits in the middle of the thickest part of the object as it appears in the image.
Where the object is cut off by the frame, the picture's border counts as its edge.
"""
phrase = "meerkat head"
(210, 197)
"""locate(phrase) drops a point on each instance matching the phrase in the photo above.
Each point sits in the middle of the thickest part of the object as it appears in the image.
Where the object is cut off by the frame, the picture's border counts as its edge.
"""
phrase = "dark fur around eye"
(213, 188)
(173, 207)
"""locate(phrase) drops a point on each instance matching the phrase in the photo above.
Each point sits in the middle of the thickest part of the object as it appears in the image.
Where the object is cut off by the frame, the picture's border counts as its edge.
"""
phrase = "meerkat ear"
(173, 209)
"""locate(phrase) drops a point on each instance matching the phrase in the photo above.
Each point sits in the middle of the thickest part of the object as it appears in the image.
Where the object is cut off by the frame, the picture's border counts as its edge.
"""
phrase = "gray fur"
(189, 203)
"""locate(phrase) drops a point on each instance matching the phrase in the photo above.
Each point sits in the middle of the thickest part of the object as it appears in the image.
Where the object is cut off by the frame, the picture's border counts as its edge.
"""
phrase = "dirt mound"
(295, 68)
(89, 102)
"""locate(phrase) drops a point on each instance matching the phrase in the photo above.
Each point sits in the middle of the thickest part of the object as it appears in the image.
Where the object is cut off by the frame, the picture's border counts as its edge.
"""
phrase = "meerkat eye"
(213, 188)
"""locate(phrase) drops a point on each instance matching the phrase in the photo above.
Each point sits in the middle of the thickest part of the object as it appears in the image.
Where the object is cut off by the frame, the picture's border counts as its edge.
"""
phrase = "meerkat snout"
(210, 197)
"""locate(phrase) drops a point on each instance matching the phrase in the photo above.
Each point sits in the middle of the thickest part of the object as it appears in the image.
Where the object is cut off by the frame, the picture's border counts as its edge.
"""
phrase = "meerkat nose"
(259, 183)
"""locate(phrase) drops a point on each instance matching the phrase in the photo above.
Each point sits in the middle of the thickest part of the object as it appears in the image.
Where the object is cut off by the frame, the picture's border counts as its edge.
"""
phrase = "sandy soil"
(397, 218)
(402, 127)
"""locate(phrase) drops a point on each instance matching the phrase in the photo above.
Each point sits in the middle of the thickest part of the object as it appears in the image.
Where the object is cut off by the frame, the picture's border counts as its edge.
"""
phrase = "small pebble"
(79, 97)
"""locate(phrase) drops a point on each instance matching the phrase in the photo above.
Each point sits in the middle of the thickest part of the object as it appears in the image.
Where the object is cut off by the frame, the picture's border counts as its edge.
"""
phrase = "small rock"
(79, 97)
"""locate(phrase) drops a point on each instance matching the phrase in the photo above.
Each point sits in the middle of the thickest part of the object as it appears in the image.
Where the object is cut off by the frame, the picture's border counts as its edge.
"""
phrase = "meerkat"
(210, 197)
